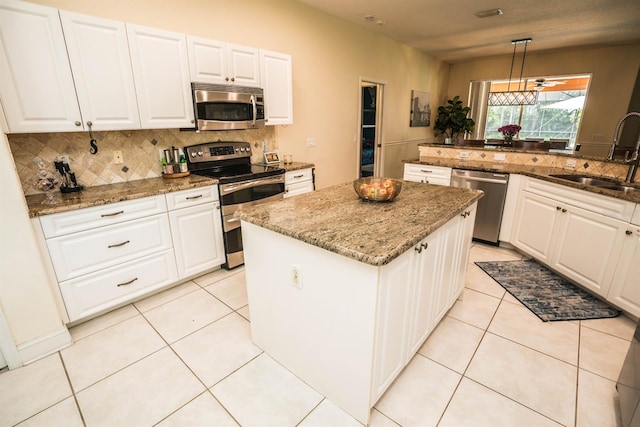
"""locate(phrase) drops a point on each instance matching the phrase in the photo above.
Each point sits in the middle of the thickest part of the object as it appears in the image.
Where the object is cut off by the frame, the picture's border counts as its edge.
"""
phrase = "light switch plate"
(464, 154)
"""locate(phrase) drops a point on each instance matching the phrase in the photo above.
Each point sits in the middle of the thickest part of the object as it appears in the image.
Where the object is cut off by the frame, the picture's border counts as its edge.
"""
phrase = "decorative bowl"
(377, 189)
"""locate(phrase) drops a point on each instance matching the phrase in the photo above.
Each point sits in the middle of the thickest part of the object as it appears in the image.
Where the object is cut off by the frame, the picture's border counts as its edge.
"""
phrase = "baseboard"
(44, 346)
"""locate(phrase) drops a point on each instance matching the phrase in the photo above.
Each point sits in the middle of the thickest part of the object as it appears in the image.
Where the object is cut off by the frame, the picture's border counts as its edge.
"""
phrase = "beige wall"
(329, 59)
(613, 70)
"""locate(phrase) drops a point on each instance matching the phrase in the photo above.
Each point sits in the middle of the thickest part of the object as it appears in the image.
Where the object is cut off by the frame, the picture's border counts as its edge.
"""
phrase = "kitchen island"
(343, 292)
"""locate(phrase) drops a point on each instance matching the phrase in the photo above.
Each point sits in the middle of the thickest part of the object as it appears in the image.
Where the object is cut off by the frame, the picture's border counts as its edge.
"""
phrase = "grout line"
(73, 392)
(575, 413)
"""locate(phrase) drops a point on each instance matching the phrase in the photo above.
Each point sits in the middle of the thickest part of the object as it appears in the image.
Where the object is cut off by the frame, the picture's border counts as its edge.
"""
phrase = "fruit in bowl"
(377, 189)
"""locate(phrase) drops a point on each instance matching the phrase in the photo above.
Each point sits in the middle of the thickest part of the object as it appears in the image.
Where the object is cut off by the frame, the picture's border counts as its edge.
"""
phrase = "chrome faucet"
(631, 160)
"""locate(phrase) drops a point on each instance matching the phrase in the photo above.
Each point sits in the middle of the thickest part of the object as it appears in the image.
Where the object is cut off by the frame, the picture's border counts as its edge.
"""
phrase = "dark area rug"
(546, 294)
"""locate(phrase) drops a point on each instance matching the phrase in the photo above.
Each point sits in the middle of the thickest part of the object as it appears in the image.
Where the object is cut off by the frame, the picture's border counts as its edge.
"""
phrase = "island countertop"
(337, 220)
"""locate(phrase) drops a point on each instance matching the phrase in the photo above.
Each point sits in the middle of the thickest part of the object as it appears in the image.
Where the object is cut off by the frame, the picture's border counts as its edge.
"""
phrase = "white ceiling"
(449, 29)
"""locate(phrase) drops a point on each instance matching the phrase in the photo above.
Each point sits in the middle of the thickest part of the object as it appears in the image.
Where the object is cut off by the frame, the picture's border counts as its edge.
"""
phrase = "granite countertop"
(540, 172)
(336, 219)
(111, 193)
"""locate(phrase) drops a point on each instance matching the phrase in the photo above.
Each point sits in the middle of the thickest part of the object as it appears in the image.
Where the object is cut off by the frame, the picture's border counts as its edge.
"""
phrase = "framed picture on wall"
(420, 109)
(271, 157)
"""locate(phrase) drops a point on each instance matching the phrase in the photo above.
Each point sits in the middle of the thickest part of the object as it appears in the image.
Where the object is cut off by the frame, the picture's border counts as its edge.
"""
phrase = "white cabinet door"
(243, 65)
(587, 247)
(624, 291)
(197, 238)
(161, 73)
(36, 85)
(99, 56)
(392, 322)
(278, 87)
(207, 60)
(463, 246)
(536, 222)
(426, 286)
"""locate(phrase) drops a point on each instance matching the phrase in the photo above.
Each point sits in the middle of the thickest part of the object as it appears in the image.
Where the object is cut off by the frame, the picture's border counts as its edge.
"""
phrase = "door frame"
(378, 156)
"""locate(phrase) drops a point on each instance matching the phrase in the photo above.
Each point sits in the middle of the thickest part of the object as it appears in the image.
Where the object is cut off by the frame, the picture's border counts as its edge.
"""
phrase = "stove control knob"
(199, 153)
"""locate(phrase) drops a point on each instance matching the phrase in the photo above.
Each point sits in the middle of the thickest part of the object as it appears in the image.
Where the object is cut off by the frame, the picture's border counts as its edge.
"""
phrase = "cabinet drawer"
(431, 172)
(108, 288)
(298, 188)
(292, 177)
(636, 215)
(88, 251)
(604, 205)
(192, 197)
(97, 216)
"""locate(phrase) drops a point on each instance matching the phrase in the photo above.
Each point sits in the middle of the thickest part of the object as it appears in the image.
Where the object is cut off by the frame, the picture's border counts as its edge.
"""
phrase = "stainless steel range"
(242, 184)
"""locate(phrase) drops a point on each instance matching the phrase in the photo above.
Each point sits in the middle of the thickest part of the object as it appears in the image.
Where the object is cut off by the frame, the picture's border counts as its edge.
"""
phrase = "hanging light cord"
(513, 59)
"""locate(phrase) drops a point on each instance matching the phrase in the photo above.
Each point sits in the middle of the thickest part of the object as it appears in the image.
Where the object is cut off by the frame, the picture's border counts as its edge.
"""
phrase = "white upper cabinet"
(213, 61)
(161, 74)
(99, 56)
(278, 87)
(36, 84)
(207, 60)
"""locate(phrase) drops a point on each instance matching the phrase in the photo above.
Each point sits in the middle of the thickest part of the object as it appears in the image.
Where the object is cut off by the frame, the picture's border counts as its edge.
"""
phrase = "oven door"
(240, 195)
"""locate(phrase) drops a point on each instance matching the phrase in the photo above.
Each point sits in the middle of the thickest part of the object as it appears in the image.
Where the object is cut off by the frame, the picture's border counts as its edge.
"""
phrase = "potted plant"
(452, 119)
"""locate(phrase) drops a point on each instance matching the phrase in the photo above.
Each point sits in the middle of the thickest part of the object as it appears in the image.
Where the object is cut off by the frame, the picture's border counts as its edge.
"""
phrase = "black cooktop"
(235, 173)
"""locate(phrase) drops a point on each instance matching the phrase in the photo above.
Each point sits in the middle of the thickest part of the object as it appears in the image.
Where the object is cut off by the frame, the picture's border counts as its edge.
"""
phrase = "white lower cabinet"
(111, 287)
(578, 234)
(197, 238)
(298, 182)
(416, 291)
(106, 256)
(438, 175)
(624, 291)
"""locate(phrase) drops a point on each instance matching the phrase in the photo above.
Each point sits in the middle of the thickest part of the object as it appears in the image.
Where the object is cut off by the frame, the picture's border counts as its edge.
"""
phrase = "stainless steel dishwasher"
(489, 214)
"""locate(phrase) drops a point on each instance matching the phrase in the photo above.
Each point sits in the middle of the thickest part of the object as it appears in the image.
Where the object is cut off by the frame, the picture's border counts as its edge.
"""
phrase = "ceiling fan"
(540, 84)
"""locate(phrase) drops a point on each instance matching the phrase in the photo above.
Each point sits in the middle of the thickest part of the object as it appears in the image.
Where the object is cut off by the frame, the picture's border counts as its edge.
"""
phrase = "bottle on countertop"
(183, 163)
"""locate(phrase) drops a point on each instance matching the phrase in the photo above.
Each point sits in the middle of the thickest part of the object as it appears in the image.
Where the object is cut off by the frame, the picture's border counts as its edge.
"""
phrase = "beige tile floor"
(184, 357)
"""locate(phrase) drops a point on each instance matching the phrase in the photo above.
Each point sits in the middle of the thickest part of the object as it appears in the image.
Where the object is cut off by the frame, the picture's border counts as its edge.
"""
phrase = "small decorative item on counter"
(377, 189)
(288, 159)
(47, 180)
(509, 131)
(174, 163)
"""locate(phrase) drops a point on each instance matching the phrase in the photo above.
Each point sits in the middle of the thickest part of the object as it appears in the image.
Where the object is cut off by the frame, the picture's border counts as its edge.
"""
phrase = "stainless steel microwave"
(222, 107)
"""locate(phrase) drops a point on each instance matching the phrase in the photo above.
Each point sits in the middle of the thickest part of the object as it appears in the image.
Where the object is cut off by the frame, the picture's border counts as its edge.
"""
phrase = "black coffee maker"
(69, 182)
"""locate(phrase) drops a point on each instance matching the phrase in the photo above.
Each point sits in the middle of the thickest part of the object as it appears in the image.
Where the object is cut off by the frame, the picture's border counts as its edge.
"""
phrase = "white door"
(587, 246)
(243, 65)
(161, 73)
(536, 220)
(99, 56)
(278, 87)
(197, 238)
(624, 291)
(207, 60)
(36, 85)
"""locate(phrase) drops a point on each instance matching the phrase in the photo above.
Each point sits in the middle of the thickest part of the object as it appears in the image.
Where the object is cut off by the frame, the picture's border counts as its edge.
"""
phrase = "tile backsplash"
(140, 151)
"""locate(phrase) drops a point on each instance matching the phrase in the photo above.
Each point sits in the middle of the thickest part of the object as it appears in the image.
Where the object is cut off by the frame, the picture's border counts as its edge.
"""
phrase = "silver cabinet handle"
(298, 176)
(628, 232)
(127, 283)
(425, 171)
(117, 245)
(78, 123)
(194, 197)
(111, 214)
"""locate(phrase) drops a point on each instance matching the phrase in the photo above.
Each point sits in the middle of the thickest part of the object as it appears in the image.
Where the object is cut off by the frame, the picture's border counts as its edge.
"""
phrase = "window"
(556, 115)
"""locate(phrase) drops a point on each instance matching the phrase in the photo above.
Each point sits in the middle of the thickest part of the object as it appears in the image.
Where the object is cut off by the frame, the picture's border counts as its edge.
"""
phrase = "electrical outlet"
(464, 154)
(596, 137)
(571, 163)
(499, 156)
(117, 157)
(296, 276)
(311, 142)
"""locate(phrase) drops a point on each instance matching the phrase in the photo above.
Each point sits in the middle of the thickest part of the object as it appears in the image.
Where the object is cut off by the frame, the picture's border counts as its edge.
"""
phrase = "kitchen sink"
(609, 184)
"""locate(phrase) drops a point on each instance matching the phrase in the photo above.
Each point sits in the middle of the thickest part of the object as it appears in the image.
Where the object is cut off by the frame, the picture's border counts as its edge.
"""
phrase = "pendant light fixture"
(516, 97)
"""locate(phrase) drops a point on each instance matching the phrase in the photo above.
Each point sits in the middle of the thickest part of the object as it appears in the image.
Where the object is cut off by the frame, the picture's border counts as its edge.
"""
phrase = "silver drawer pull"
(424, 171)
(119, 244)
(194, 197)
(112, 214)
(298, 176)
(127, 283)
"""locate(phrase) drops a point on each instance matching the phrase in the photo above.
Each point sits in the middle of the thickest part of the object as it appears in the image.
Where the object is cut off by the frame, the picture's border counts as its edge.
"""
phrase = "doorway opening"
(370, 146)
